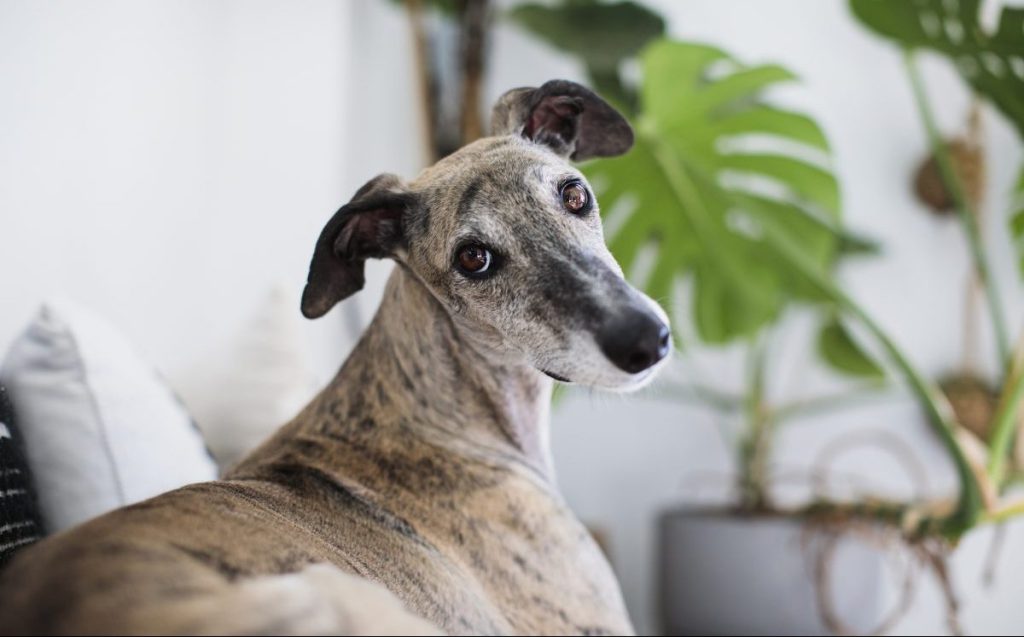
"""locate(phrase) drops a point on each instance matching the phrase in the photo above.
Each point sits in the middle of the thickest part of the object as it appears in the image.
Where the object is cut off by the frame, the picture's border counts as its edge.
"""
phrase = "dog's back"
(307, 556)
(206, 558)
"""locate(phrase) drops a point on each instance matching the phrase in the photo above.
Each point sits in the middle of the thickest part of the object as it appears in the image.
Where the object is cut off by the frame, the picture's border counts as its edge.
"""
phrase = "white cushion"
(256, 382)
(101, 428)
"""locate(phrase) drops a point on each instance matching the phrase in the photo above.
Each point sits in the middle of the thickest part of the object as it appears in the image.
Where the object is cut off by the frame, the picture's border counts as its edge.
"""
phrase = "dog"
(416, 492)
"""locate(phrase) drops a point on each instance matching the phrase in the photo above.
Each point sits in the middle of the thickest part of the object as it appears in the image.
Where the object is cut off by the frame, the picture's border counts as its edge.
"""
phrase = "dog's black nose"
(635, 341)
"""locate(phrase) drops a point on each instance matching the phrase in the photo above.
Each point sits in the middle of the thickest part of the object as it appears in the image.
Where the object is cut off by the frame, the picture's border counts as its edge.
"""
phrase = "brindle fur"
(423, 466)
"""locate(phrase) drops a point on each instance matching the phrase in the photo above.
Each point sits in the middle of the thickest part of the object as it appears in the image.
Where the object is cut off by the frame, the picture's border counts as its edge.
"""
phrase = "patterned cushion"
(19, 514)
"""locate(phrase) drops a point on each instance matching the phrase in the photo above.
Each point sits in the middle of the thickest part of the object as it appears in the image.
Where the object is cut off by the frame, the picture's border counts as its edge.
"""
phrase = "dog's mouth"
(636, 380)
(639, 379)
(561, 379)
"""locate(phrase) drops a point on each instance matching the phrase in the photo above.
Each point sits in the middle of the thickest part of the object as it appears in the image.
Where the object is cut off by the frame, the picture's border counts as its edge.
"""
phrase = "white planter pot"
(723, 574)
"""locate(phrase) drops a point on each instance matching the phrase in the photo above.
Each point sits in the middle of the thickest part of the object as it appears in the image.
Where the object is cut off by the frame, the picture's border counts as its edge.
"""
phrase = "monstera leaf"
(992, 63)
(601, 34)
(715, 170)
(446, 7)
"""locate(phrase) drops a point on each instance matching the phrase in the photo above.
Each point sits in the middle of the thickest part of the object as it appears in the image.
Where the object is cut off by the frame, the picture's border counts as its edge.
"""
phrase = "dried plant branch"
(426, 84)
(475, 18)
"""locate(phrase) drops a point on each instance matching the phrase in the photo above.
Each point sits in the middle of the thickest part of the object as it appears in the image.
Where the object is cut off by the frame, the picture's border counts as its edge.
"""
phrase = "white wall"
(167, 162)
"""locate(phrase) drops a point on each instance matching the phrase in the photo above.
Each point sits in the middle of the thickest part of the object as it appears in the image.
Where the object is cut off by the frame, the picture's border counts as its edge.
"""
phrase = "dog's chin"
(630, 382)
(613, 380)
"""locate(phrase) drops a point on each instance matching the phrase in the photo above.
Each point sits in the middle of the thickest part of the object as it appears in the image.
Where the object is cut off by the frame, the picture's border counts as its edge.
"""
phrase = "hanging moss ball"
(969, 165)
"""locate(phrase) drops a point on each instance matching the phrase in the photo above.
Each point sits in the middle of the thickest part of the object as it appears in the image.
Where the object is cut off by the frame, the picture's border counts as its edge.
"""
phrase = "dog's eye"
(474, 259)
(575, 198)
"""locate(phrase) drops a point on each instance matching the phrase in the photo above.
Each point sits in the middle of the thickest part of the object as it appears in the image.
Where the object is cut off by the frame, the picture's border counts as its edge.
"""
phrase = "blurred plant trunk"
(755, 453)
(756, 447)
(443, 71)
(425, 81)
(475, 20)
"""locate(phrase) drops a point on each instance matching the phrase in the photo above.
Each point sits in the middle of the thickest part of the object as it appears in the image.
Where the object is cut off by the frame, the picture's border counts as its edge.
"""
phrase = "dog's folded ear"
(569, 118)
(369, 226)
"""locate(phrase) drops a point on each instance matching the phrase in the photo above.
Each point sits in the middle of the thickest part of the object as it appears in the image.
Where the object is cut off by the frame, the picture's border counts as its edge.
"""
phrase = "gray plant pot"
(725, 574)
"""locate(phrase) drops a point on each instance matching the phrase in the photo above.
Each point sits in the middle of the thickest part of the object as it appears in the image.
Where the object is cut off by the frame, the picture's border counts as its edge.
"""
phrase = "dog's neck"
(414, 386)
(440, 443)
(458, 391)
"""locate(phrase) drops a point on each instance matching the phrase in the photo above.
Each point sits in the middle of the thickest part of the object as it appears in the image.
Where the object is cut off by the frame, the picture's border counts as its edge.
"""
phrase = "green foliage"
(1017, 219)
(600, 34)
(692, 187)
(446, 7)
(837, 347)
(992, 63)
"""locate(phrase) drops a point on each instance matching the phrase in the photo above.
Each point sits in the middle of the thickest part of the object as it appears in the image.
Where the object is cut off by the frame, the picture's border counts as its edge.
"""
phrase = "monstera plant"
(992, 64)
(717, 177)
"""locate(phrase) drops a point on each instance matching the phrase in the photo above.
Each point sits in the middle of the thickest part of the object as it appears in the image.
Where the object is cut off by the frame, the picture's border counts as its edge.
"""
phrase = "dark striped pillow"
(20, 523)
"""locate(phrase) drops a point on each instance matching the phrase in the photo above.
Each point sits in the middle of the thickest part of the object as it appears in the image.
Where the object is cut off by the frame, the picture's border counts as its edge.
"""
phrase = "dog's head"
(506, 235)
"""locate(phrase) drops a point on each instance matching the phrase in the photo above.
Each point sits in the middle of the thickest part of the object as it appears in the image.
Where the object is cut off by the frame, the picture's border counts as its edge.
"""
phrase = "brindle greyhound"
(424, 465)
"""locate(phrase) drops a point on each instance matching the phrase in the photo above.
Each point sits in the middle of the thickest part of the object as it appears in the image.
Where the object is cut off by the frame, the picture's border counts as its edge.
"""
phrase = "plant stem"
(1005, 513)
(756, 447)
(964, 207)
(939, 413)
(827, 402)
(1004, 424)
(702, 395)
